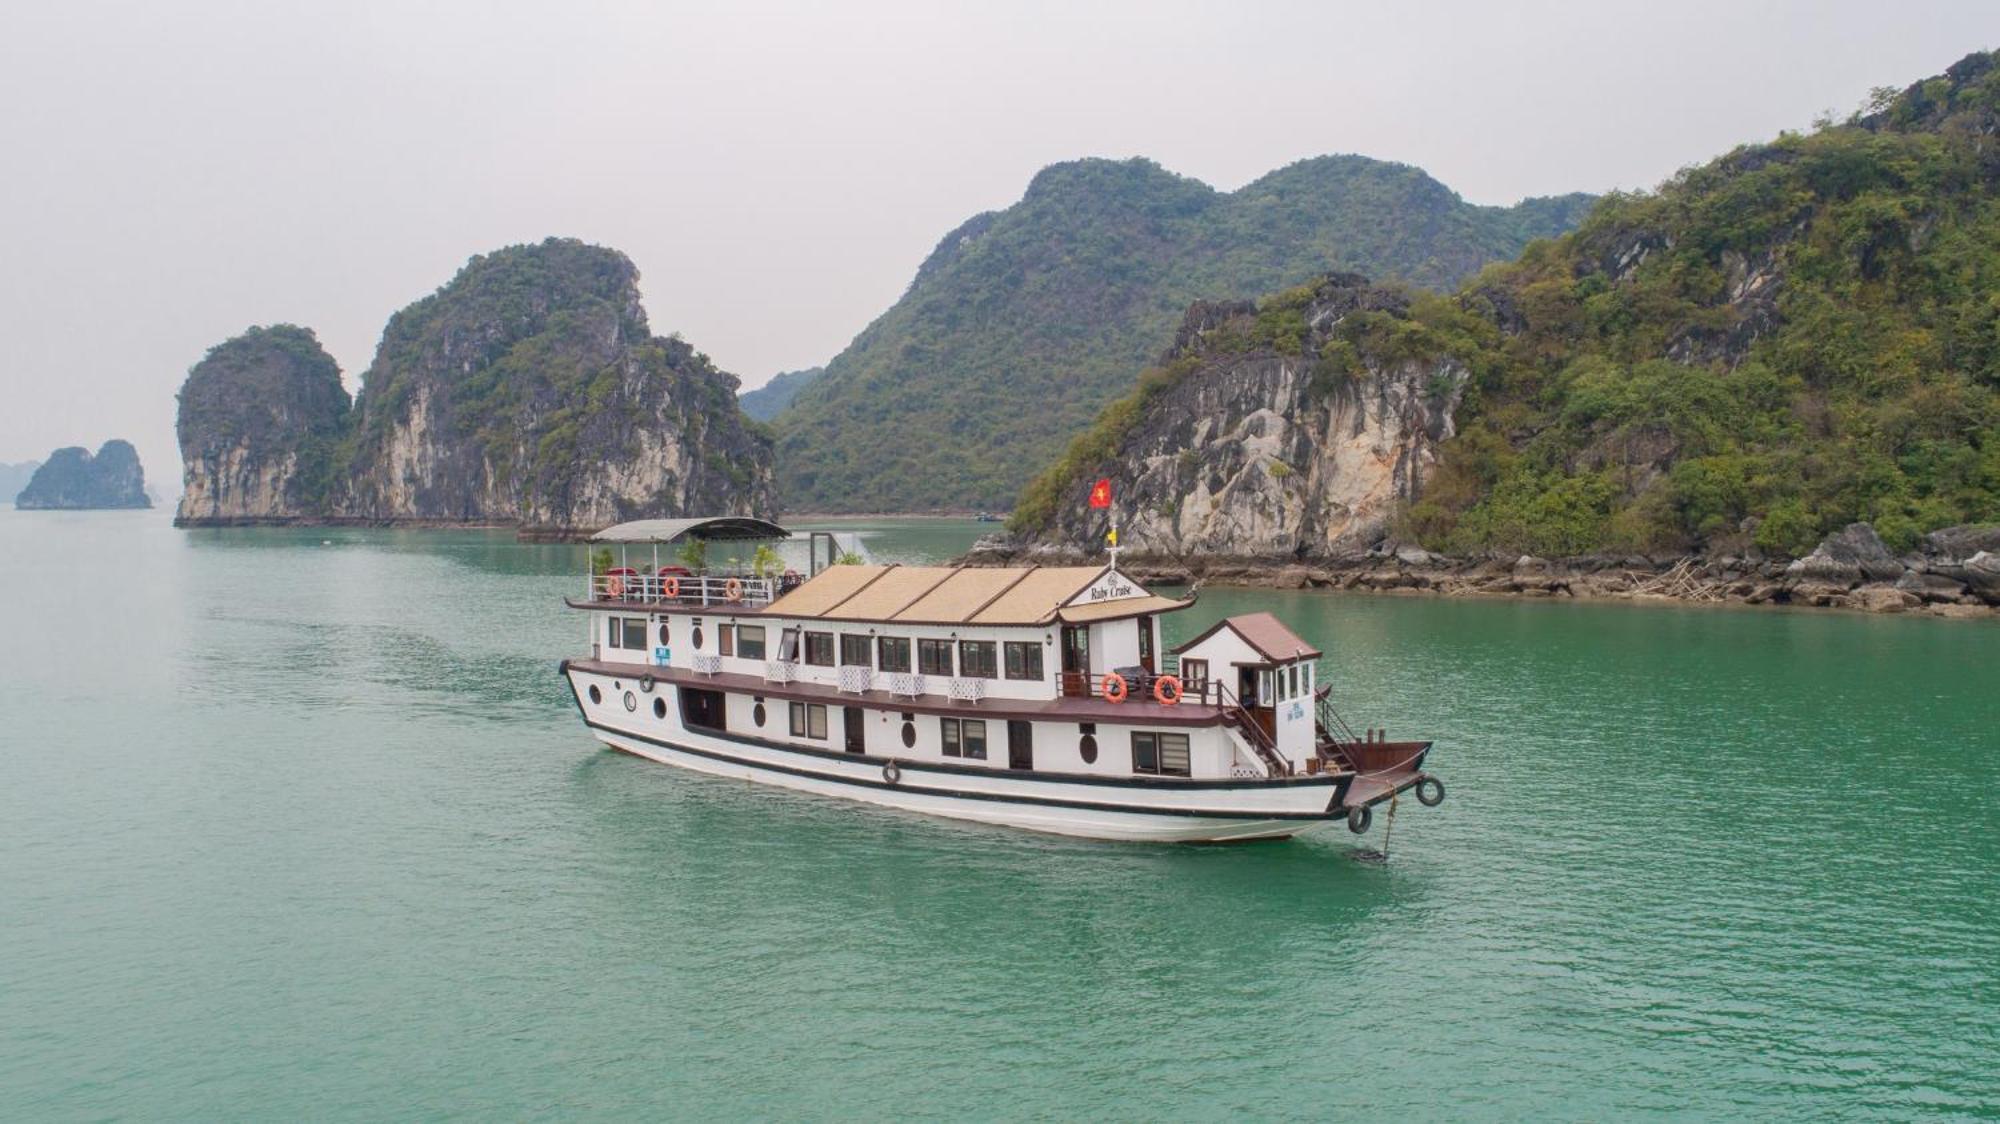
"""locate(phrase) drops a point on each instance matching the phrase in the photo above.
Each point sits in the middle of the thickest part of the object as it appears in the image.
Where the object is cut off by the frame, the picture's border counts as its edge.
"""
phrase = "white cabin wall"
(1114, 644)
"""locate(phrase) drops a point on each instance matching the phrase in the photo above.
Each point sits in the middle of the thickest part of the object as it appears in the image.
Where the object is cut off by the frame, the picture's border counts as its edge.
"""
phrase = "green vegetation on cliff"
(774, 397)
(1794, 337)
(1797, 336)
(1023, 324)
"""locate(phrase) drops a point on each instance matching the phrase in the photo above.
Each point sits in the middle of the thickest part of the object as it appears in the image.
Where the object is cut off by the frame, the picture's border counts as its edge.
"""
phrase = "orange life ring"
(1113, 687)
(671, 587)
(733, 589)
(616, 587)
(1167, 690)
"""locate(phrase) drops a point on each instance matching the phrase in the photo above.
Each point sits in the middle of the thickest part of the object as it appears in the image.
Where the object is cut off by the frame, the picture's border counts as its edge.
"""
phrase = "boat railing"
(856, 679)
(1238, 716)
(966, 689)
(625, 585)
(781, 671)
(906, 684)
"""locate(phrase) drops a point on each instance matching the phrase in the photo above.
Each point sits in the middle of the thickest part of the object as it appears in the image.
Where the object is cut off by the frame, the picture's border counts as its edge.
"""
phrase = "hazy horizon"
(777, 172)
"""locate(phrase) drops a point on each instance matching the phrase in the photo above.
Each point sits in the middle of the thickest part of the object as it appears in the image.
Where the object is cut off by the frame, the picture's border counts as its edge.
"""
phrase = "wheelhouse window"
(854, 650)
(934, 657)
(1293, 675)
(1023, 659)
(892, 653)
(750, 641)
(1162, 755)
(1194, 677)
(977, 659)
(963, 737)
(808, 720)
(626, 632)
(819, 649)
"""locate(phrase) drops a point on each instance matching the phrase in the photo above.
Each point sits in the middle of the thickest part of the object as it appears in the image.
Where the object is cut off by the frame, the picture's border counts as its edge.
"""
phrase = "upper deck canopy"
(723, 528)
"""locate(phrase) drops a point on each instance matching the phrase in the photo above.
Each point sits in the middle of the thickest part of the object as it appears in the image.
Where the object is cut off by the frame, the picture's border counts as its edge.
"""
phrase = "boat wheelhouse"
(1032, 696)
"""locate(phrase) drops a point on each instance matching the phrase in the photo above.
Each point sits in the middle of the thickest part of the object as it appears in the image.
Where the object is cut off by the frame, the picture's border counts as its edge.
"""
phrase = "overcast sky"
(175, 172)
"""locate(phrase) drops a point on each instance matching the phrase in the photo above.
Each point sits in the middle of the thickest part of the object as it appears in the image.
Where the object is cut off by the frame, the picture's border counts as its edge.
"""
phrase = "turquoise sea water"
(301, 824)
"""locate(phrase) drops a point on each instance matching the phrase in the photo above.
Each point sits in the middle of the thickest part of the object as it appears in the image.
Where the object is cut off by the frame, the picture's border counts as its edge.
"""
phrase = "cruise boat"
(1037, 697)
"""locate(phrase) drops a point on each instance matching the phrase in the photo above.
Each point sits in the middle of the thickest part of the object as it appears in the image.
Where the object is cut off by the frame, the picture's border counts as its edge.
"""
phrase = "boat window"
(976, 659)
(635, 633)
(614, 633)
(819, 649)
(1023, 659)
(1164, 755)
(934, 657)
(1194, 676)
(1087, 746)
(750, 641)
(808, 720)
(788, 645)
(725, 639)
(659, 708)
(892, 653)
(694, 637)
(1265, 695)
(757, 713)
(963, 737)
(909, 733)
(596, 695)
(854, 650)
(1294, 676)
(666, 633)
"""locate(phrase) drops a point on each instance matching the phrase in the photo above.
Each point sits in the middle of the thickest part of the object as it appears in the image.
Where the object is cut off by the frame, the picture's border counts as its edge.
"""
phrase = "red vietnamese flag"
(1100, 493)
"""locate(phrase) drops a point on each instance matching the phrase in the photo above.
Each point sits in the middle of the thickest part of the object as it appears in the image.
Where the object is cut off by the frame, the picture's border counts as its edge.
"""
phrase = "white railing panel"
(856, 679)
(967, 690)
(707, 664)
(780, 671)
(906, 684)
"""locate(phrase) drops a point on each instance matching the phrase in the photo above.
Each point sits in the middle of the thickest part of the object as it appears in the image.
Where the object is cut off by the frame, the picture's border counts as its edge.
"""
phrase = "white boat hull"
(1087, 823)
(1092, 808)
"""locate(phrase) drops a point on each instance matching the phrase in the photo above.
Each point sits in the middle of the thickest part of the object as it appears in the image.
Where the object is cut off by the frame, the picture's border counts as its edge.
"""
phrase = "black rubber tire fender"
(892, 774)
(646, 683)
(1359, 817)
(1430, 792)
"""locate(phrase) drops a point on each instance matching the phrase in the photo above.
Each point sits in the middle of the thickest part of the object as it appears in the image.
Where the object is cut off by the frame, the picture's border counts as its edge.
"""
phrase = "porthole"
(757, 714)
(1088, 747)
(696, 637)
(666, 634)
(631, 701)
(659, 708)
(596, 695)
(909, 735)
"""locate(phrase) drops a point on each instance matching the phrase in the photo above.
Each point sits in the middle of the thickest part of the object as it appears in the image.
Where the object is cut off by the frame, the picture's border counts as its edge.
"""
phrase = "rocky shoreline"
(1953, 573)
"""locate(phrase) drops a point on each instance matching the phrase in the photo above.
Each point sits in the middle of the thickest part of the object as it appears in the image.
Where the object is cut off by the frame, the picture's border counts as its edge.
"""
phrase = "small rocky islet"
(74, 479)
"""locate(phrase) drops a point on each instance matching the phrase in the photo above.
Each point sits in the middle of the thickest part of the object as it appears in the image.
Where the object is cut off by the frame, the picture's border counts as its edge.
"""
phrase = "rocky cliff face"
(529, 391)
(74, 480)
(1281, 430)
(261, 419)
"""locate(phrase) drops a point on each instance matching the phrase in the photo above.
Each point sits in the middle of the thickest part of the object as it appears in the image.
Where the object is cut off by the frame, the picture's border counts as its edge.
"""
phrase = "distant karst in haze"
(1024, 323)
(1789, 340)
(74, 480)
(14, 477)
(771, 399)
(529, 391)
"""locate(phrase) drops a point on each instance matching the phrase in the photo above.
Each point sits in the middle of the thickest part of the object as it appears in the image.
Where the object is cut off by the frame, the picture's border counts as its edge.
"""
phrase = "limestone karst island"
(1112, 561)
